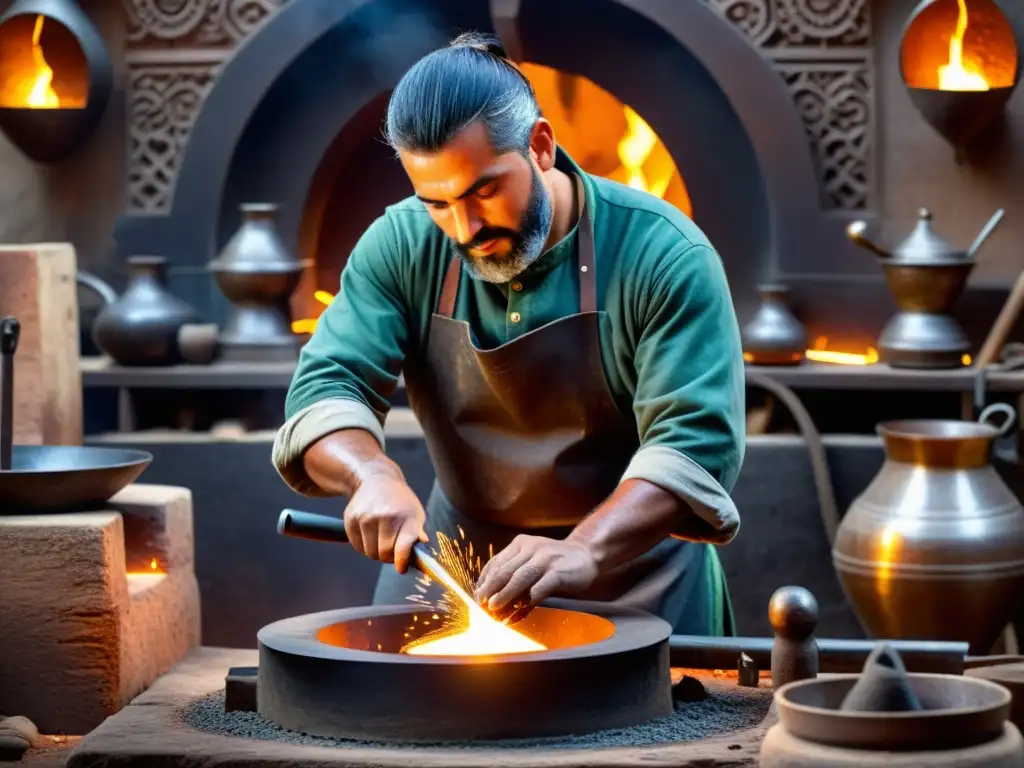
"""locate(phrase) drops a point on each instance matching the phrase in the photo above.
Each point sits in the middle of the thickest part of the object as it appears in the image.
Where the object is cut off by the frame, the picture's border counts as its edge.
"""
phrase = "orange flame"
(959, 74)
(308, 324)
(635, 149)
(32, 85)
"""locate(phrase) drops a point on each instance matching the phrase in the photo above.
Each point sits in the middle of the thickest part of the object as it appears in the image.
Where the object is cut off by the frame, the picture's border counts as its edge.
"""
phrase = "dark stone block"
(749, 675)
(240, 689)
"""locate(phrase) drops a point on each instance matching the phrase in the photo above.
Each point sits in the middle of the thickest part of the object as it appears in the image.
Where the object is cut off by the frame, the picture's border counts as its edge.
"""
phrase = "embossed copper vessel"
(934, 547)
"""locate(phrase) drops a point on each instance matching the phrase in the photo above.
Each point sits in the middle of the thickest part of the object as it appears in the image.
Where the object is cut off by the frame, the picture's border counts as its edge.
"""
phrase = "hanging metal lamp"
(961, 62)
(55, 77)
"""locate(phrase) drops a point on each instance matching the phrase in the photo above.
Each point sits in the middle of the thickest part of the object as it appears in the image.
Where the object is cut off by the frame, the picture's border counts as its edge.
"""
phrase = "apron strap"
(450, 289)
(585, 258)
(585, 253)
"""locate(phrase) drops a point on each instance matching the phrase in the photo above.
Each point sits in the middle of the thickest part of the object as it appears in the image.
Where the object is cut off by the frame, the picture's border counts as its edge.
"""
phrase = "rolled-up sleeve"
(690, 398)
(350, 367)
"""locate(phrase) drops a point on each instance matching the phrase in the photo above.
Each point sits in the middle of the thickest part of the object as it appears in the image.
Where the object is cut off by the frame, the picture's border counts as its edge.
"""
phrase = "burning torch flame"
(41, 95)
(959, 74)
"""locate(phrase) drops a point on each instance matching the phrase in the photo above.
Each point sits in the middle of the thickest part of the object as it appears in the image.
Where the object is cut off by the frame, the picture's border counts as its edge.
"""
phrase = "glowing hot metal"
(477, 634)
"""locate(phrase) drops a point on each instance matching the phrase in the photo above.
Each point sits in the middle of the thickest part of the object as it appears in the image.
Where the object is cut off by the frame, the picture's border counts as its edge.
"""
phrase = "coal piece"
(689, 689)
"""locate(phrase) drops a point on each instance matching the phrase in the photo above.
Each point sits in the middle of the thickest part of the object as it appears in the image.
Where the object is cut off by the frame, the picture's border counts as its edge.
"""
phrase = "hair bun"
(481, 42)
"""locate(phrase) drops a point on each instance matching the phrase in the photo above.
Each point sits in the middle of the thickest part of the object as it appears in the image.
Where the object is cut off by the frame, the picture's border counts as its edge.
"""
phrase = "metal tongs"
(10, 332)
(308, 525)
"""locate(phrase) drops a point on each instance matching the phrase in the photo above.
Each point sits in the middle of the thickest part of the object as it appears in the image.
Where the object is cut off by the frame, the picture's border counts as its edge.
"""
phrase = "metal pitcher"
(933, 549)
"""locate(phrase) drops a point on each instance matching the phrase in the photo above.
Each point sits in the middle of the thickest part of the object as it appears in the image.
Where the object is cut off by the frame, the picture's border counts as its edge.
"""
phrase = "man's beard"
(527, 243)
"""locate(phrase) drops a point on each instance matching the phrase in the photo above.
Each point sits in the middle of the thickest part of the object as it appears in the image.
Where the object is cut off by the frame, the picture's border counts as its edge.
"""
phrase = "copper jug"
(933, 549)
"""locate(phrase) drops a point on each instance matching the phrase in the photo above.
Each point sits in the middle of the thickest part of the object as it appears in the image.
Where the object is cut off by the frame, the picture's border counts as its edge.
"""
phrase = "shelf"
(881, 377)
(101, 372)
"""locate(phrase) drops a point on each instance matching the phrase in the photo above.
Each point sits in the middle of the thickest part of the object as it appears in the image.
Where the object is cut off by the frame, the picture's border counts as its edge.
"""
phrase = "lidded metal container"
(926, 275)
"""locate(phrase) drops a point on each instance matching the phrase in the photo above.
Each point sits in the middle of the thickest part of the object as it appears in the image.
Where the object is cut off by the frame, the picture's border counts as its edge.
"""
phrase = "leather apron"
(527, 438)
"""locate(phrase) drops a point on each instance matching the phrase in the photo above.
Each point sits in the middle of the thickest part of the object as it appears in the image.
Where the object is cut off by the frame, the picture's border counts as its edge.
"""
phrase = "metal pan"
(44, 479)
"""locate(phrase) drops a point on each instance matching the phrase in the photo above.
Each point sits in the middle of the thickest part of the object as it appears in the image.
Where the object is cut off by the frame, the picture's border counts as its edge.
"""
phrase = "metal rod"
(834, 655)
(10, 331)
(314, 527)
(985, 232)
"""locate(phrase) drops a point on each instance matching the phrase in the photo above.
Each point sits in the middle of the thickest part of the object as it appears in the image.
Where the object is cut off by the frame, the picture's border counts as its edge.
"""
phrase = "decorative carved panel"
(834, 102)
(175, 48)
(165, 99)
(821, 49)
(195, 22)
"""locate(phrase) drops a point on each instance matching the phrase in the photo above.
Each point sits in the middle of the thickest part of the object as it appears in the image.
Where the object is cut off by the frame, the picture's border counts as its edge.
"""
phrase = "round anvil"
(340, 674)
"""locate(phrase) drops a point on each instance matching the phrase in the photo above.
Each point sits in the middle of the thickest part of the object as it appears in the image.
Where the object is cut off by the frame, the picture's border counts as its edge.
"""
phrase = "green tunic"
(669, 342)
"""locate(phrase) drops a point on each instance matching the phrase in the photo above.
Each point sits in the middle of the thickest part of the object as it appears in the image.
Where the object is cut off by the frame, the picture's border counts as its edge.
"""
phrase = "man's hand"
(384, 519)
(530, 570)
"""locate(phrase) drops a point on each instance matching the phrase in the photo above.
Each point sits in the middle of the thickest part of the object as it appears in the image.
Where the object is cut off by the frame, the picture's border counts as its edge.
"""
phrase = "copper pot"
(934, 547)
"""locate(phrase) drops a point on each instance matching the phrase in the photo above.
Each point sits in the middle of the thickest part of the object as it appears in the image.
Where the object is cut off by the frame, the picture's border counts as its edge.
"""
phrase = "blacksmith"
(569, 347)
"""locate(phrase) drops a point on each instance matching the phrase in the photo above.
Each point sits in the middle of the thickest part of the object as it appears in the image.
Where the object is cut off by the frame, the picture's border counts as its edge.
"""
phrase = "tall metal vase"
(258, 275)
(933, 549)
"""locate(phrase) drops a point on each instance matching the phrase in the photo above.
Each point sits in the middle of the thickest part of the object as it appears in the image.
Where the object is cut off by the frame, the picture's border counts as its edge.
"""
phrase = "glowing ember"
(154, 565)
(821, 354)
(467, 630)
(959, 74)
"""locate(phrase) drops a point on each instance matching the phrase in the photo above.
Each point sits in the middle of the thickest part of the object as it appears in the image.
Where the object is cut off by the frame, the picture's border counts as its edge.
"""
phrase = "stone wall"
(838, 57)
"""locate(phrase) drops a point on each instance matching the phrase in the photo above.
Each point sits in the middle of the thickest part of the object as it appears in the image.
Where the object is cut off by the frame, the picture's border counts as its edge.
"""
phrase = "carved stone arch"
(198, 125)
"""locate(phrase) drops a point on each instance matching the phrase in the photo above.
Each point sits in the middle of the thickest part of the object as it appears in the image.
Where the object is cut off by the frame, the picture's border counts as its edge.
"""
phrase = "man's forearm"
(339, 462)
(634, 519)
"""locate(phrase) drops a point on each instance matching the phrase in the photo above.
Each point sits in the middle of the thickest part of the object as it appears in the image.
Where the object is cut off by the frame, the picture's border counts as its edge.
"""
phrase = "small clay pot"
(198, 343)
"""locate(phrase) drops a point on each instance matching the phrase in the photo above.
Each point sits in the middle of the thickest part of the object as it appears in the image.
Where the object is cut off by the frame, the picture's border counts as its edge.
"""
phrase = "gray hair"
(444, 92)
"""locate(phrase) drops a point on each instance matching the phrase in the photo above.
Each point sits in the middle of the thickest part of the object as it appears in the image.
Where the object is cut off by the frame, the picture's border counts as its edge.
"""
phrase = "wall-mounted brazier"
(55, 77)
(961, 61)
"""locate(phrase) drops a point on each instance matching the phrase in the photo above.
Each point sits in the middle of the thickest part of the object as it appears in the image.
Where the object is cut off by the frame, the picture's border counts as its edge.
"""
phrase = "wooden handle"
(1008, 316)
